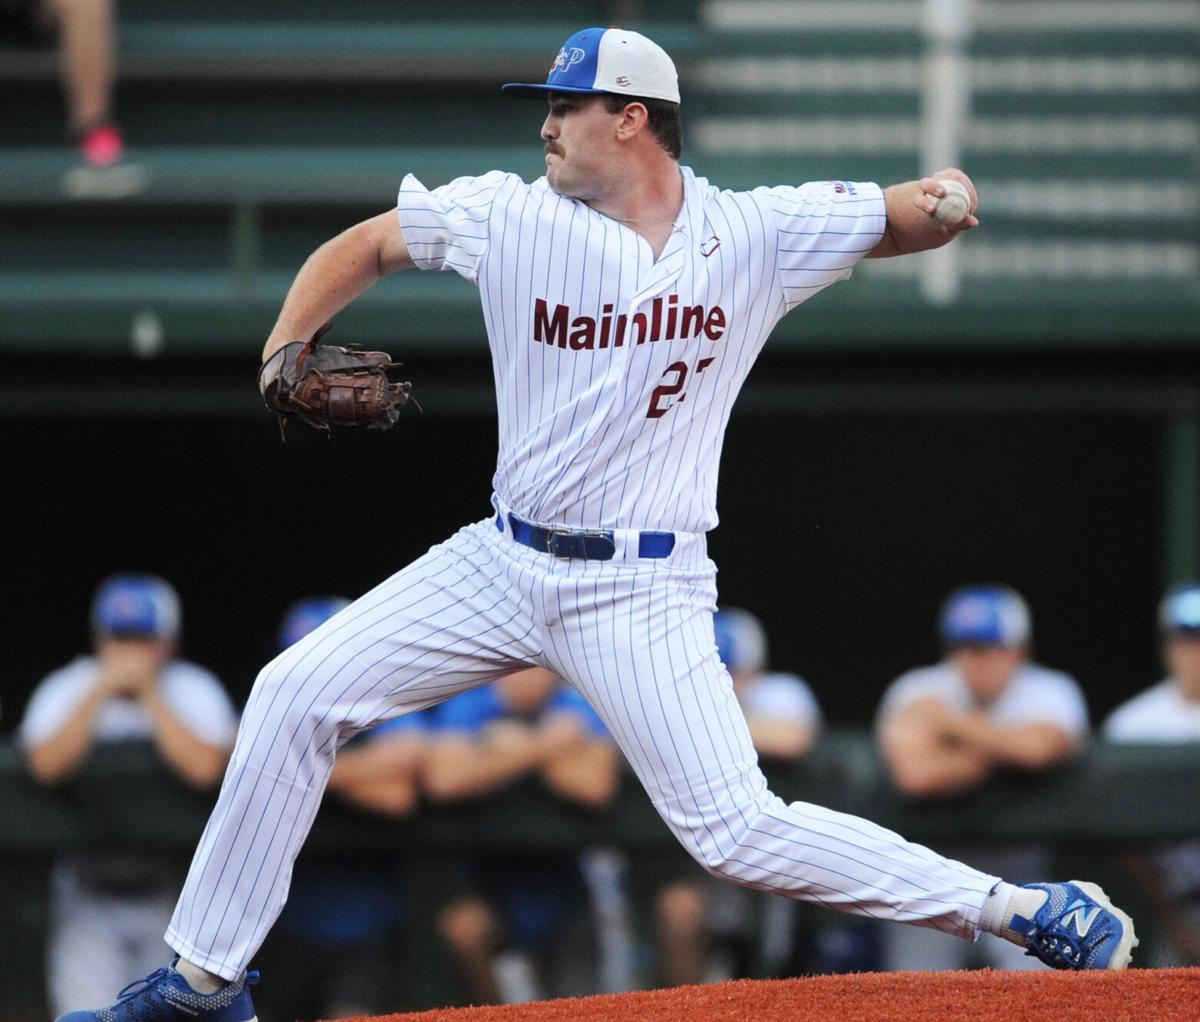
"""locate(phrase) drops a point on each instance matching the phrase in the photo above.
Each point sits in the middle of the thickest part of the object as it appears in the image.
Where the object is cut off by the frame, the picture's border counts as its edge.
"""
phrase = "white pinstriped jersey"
(615, 372)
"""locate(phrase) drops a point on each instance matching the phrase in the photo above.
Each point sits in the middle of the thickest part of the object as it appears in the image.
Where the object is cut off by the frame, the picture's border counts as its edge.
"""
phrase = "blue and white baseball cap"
(136, 606)
(1179, 612)
(741, 640)
(307, 616)
(990, 615)
(597, 60)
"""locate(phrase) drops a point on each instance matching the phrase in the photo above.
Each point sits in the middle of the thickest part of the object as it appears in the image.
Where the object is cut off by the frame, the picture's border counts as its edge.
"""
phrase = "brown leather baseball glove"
(329, 386)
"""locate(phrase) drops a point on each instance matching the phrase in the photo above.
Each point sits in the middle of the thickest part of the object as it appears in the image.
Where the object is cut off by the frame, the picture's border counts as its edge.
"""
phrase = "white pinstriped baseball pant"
(636, 638)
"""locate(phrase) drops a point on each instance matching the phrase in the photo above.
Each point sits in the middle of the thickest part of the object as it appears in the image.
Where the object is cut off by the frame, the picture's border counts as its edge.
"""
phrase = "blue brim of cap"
(530, 91)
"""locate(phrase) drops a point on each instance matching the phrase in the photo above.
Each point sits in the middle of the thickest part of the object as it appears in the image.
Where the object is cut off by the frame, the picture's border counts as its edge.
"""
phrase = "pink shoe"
(101, 146)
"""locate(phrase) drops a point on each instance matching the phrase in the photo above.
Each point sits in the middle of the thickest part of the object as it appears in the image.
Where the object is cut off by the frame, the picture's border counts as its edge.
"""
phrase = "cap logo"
(623, 81)
(567, 59)
(970, 614)
(125, 605)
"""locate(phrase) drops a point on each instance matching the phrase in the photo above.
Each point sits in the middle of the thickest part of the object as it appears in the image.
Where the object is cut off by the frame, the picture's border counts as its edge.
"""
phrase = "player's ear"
(633, 118)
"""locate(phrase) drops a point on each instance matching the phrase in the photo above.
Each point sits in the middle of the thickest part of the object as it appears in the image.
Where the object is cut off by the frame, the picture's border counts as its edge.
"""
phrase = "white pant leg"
(85, 963)
(451, 620)
(639, 644)
(98, 943)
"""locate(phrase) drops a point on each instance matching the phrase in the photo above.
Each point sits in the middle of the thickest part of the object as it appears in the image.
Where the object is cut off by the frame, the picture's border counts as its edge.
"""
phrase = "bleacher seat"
(260, 127)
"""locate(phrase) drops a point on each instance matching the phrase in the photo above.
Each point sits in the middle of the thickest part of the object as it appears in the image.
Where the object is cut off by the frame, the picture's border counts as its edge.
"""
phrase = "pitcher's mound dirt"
(1136, 995)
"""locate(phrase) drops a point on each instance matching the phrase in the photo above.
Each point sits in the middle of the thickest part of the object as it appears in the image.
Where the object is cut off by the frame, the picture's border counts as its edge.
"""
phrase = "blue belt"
(591, 546)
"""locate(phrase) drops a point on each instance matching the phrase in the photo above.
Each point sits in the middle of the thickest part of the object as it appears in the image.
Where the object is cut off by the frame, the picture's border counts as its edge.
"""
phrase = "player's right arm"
(461, 766)
(381, 775)
(63, 752)
(1035, 745)
(336, 274)
(586, 769)
(57, 732)
(920, 760)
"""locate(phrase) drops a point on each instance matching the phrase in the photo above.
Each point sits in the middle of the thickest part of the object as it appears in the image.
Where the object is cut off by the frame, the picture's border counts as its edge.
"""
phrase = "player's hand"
(559, 732)
(935, 716)
(931, 190)
(128, 668)
(510, 736)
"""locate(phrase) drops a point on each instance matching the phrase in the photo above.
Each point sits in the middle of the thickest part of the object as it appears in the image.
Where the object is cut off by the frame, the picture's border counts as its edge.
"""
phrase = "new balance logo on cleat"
(1081, 918)
(177, 1006)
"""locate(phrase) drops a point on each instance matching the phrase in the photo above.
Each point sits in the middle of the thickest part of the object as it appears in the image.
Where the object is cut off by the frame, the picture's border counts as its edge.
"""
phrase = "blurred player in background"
(947, 729)
(108, 909)
(86, 32)
(1169, 712)
(511, 931)
(694, 912)
(334, 948)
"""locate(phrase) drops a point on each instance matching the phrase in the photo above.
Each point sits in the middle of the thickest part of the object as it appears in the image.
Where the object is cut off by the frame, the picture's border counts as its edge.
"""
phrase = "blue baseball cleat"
(164, 996)
(1078, 928)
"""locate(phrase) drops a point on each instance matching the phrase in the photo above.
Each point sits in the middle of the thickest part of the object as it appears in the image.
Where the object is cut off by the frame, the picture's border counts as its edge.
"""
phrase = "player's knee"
(279, 685)
(733, 858)
(468, 926)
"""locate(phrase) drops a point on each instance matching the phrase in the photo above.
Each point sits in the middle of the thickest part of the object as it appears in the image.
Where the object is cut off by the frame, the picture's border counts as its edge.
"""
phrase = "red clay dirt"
(1136, 995)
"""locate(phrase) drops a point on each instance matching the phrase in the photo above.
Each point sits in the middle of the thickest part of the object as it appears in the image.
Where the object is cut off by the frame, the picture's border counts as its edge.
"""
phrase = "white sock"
(198, 979)
(1003, 903)
(516, 982)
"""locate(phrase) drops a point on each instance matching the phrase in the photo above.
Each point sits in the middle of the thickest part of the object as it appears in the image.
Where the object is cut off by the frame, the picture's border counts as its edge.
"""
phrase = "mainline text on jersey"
(667, 321)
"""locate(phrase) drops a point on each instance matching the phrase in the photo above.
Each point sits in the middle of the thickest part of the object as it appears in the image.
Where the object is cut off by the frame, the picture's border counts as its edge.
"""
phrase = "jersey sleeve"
(1125, 724)
(825, 228)
(784, 697)
(447, 228)
(200, 703)
(922, 683)
(54, 701)
(1051, 698)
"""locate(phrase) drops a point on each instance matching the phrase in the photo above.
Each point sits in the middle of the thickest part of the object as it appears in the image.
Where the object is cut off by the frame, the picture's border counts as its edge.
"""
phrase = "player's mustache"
(552, 149)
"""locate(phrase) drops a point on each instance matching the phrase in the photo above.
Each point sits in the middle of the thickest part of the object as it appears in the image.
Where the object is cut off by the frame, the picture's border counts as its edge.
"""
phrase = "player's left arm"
(337, 273)
(1032, 746)
(781, 738)
(381, 776)
(911, 226)
(198, 762)
(586, 770)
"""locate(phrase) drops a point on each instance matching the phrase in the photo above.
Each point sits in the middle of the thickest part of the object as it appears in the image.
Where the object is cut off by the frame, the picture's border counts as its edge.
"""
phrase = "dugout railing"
(1112, 794)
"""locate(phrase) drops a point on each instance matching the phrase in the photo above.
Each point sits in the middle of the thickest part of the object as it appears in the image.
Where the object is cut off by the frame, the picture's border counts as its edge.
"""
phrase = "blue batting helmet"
(1179, 612)
(136, 606)
(991, 615)
(741, 640)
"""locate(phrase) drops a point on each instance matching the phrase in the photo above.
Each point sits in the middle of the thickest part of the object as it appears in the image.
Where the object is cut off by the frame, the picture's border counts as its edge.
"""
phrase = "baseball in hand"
(955, 205)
